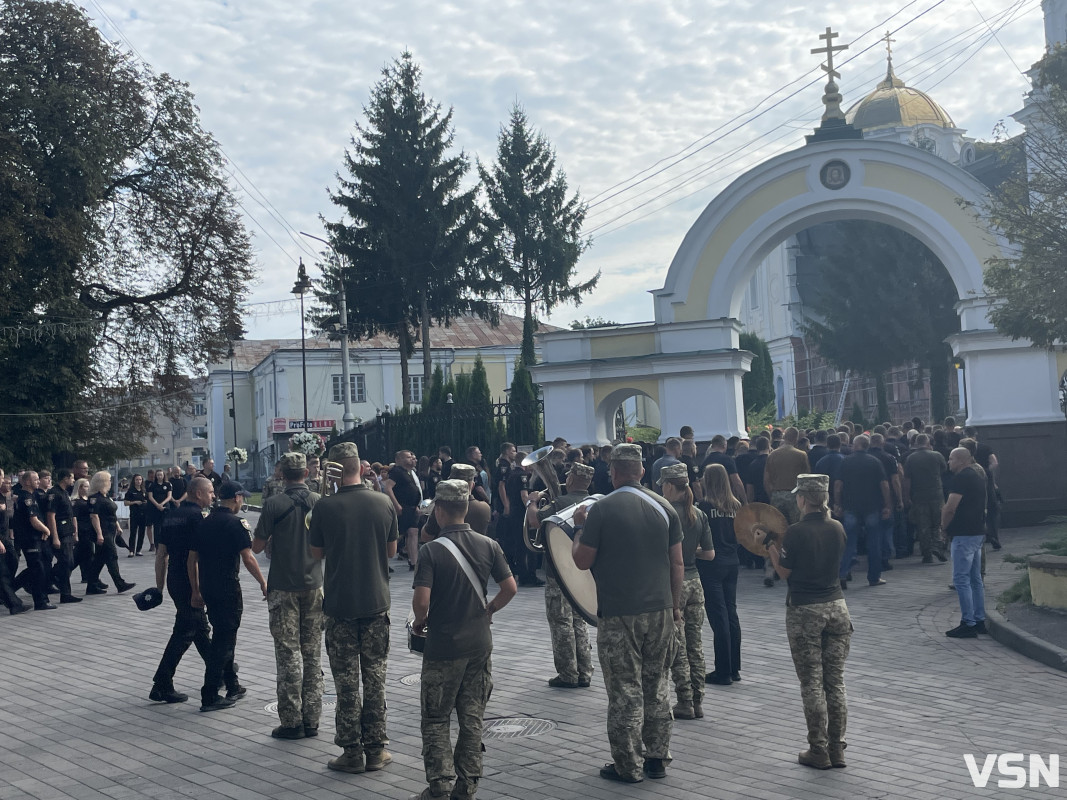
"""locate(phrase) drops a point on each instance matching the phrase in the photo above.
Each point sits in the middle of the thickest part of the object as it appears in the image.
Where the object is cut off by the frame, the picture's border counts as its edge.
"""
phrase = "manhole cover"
(328, 701)
(516, 727)
(411, 680)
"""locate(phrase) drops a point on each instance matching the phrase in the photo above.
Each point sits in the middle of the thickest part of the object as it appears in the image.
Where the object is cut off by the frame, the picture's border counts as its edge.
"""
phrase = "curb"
(1025, 643)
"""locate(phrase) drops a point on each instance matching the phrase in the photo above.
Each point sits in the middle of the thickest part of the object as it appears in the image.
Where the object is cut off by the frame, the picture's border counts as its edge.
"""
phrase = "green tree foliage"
(435, 395)
(524, 421)
(411, 232)
(892, 302)
(1030, 209)
(122, 251)
(591, 322)
(757, 385)
(534, 228)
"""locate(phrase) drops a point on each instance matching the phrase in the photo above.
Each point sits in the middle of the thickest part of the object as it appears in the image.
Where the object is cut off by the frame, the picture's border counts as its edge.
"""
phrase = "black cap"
(231, 489)
(149, 598)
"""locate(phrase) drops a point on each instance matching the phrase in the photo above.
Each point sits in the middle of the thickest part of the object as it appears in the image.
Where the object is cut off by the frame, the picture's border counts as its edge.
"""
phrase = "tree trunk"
(403, 339)
(883, 397)
(427, 360)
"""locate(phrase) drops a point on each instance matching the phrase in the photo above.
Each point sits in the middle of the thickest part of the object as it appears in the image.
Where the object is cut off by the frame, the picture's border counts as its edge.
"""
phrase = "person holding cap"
(222, 544)
(816, 619)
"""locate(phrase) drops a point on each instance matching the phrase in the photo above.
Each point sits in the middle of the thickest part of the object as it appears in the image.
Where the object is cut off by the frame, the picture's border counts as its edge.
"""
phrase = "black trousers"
(190, 628)
(62, 565)
(224, 613)
(720, 603)
(33, 578)
(9, 563)
(84, 552)
(523, 562)
(138, 525)
(107, 555)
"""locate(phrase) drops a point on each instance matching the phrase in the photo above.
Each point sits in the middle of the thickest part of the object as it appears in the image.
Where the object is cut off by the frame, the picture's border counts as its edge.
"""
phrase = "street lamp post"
(233, 413)
(303, 284)
(349, 418)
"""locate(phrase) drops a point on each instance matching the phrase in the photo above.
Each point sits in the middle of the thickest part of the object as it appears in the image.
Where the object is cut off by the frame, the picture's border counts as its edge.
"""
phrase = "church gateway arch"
(688, 360)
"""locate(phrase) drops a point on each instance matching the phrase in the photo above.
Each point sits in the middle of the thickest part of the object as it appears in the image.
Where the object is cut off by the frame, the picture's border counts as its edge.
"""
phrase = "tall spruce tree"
(534, 228)
(757, 385)
(410, 230)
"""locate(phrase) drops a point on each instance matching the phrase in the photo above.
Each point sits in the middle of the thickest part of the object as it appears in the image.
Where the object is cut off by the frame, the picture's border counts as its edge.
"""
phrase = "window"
(259, 402)
(357, 388)
(415, 388)
(199, 432)
(199, 408)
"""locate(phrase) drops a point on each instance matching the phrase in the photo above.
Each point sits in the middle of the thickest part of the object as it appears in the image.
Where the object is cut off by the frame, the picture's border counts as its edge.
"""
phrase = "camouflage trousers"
(296, 625)
(786, 502)
(926, 516)
(571, 652)
(688, 666)
(463, 684)
(358, 648)
(635, 656)
(819, 639)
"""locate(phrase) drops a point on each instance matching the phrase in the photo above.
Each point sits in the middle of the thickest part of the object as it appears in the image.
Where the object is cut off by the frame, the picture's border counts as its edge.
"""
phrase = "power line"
(115, 407)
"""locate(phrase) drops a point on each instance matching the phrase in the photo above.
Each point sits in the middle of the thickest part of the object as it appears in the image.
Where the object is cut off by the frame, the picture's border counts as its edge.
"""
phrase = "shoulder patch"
(244, 524)
(28, 501)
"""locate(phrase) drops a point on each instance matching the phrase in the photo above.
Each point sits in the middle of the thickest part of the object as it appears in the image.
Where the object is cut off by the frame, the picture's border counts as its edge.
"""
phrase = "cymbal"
(762, 516)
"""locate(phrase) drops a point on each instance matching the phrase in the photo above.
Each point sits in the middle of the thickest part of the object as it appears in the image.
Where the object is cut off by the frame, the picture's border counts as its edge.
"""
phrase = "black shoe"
(160, 695)
(236, 693)
(735, 677)
(20, 608)
(962, 631)
(886, 566)
(879, 582)
(940, 556)
(609, 772)
(69, 598)
(282, 732)
(53, 590)
(311, 731)
(979, 627)
(849, 576)
(44, 607)
(558, 683)
(124, 587)
(928, 559)
(96, 590)
(217, 703)
(654, 768)
(844, 585)
(139, 553)
(717, 679)
(768, 582)
(997, 545)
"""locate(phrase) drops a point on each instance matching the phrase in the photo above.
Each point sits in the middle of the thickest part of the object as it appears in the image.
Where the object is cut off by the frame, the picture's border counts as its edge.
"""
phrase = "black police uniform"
(220, 540)
(28, 540)
(86, 547)
(179, 534)
(107, 554)
(9, 563)
(57, 502)
(159, 491)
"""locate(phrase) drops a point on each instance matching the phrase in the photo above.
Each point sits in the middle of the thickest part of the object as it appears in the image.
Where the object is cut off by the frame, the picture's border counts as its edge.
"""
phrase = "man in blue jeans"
(963, 521)
(861, 499)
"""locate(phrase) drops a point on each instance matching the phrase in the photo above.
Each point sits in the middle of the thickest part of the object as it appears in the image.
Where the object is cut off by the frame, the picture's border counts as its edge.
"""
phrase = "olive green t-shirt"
(292, 567)
(924, 470)
(354, 527)
(812, 549)
(632, 539)
(696, 535)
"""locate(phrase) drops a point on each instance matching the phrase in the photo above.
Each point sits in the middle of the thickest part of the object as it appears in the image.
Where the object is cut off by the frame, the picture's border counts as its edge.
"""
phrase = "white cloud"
(616, 87)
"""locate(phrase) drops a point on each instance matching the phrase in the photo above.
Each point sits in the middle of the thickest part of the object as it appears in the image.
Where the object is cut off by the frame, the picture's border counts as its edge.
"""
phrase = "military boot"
(351, 761)
(684, 710)
(837, 754)
(819, 759)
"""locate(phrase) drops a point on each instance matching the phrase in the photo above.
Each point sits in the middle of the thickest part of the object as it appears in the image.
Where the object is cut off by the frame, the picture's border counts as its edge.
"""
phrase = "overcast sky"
(620, 89)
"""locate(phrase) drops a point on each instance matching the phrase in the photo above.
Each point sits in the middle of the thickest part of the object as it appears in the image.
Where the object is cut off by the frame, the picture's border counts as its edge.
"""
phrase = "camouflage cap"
(293, 461)
(453, 490)
(462, 472)
(626, 452)
(672, 472)
(344, 450)
(812, 483)
(581, 470)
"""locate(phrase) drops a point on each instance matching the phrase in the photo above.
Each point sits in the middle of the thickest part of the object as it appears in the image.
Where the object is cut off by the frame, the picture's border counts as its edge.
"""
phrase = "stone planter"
(1048, 581)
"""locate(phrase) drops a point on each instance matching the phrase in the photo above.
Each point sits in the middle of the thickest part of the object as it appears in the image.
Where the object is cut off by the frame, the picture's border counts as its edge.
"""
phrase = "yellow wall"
(736, 222)
(628, 345)
(602, 389)
(496, 370)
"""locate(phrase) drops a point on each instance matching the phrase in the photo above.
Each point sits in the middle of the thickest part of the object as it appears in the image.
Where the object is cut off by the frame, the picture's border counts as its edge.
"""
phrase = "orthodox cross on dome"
(832, 97)
(889, 41)
(891, 80)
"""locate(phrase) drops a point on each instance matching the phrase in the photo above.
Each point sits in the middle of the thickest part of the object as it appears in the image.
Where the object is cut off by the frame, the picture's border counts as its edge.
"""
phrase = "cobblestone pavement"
(75, 721)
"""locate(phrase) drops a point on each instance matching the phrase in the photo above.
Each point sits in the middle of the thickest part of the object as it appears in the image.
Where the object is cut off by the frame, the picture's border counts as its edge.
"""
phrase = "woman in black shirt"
(719, 577)
(103, 517)
(86, 546)
(136, 500)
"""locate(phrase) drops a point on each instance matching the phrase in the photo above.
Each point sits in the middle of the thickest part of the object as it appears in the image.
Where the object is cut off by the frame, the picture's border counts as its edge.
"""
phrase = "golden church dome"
(894, 105)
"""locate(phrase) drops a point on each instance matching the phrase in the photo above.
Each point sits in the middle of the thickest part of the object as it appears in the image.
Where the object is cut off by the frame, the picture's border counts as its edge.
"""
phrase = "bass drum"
(577, 584)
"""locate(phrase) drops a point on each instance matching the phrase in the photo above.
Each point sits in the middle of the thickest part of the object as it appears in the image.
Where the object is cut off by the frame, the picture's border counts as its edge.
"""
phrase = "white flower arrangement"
(310, 444)
(238, 455)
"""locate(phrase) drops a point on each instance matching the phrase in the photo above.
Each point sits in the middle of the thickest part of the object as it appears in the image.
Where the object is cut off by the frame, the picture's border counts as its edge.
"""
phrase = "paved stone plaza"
(76, 721)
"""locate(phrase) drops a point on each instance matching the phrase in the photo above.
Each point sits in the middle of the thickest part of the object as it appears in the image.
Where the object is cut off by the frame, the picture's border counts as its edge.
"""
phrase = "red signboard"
(283, 425)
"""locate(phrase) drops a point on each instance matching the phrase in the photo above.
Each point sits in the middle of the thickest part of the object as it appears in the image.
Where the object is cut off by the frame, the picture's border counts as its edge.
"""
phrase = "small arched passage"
(613, 398)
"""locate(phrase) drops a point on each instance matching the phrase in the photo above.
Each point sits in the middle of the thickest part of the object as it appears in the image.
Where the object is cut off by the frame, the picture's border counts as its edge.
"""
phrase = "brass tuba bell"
(330, 483)
(540, 463)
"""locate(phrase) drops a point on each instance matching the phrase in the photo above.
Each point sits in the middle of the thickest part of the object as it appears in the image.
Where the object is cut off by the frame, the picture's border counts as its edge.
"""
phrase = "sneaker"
(818, 759)
(284, 732)
(349, 761)
(979, 627)
(928, 559)
(236, 693)
(684, 711)
(161, 695)
(837, 755)
(217, 703)
(558, 683)
(131, 555)
(654, 768)
(962, 631)
(379, 761)
(608, 772)
(879, 582)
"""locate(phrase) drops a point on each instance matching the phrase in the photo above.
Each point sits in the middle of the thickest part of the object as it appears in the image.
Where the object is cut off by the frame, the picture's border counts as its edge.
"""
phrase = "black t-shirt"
(430, 484)
(81, 513)
(969, 519)
(26, 507)
(518, 481)
(215, 478)
(829, 465)
(219, 542)
(722, 535)
(500, 475)
(812, 549)
(715, 457)
(57, 502)
(178, 487)
(602, 477)
(405, 489)
(742, 461)
(137, 496)
(159, 492)
(107, 510)
(889, 464)
(817, 452)
(862, 475)
(457, 625)
(754, 476)
(178, 534)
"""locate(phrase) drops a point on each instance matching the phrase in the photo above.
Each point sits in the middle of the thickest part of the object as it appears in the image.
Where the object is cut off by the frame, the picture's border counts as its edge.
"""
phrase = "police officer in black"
(59, 514)
(223, 542)
(174, 540)
(103, 517)
(30, 535)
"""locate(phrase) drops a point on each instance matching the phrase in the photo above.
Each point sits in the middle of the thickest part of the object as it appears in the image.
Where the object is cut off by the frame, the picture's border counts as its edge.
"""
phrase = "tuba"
(331, 482)
(541, 465)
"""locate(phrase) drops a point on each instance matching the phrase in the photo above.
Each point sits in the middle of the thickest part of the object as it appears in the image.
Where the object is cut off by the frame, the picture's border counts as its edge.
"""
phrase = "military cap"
(453, 490)
(340, 452)
(462, 472)
(293, 461)
(581, 470)
(626, 452)
(672, 472)
(812, 483)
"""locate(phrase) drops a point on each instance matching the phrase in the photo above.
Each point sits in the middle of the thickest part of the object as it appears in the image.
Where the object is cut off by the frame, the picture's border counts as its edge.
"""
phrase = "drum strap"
(660, 509)
(464, 565)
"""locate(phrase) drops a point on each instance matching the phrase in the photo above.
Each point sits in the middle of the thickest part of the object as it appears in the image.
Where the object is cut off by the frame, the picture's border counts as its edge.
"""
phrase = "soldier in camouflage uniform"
(275, 483)
(294, 600)
(450, 608)
(632, 543)
(355, 530)
(314, 479)
(817, 619)
(571, 653)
